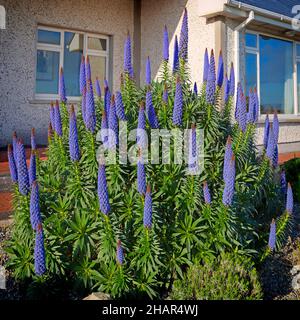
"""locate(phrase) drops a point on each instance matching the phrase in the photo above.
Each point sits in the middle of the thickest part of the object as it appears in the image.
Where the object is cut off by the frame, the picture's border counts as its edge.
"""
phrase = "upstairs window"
(270, 66)
(62, 48)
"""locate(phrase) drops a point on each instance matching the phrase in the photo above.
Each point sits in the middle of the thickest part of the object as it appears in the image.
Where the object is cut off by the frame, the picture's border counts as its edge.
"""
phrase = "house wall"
(156, 14)
(18, 110)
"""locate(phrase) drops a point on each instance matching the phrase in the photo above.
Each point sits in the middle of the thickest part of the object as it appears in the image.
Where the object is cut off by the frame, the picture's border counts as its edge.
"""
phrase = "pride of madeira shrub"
(131, 230)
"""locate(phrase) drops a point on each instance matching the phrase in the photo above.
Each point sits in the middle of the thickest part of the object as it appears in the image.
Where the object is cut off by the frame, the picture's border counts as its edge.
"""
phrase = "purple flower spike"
(23, 178)
(73, 136)
(32, 139)
(165, 94)
(62, 87)
(88, 73)
(178, 105)
(289, 199)
(211, 80)
(220, 74)
(148, 209)
(107, 98)
(276, 127)
(266, 131)
(272, 236)
(15, 147)
(141, 135)
(195, 89)
(32, 168)
(242, 114)
(152, 118)
(102, 190)
(39, 252)
(35, 212)
(226, 89)
(256, 110)
(141, 175)
(206, 193)
(113, 124)
(57, 120)
(98, 88)
(127, 57)
(283, 183)
(120, 106)
(251, 112)
(120, 253)
(104, 131)
(192, 160)
(90, 109)
(239, 93)
(82, 76)
(206, 66)
(52, 115)
(275, 157)
(227, 157)
(166, 45)
(148, 71)
(12, 165)
(175, 56)
(232, 81)
(184, 37)
(271, 145)
(83, 105)
(228, 192)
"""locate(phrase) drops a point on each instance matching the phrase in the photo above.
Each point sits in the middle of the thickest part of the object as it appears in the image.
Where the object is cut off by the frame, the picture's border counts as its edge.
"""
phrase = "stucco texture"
(18, 53)
(156, 14)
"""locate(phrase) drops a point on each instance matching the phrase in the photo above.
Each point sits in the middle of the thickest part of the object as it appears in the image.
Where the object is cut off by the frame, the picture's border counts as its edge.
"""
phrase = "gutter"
(265, 12)
(237, 30)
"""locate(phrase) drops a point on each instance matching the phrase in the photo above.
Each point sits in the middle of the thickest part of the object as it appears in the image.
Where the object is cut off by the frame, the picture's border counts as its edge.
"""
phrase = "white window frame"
(256, 50)
(60, 48)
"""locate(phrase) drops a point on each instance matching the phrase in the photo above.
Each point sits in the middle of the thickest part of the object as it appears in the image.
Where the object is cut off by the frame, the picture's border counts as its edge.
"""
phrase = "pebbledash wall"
(18, 109)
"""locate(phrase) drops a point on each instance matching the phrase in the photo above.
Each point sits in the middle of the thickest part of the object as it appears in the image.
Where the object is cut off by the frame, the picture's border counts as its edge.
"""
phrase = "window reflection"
(73, 50)
(251, 71)
(98, 68)
(276, 75)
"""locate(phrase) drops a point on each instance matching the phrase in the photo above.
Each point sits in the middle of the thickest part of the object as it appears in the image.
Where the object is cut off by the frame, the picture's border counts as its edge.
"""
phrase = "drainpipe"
(237, 30)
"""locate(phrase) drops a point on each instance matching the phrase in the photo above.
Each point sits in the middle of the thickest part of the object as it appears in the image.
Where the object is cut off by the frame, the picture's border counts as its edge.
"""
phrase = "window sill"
(283, 118)
(48, 101)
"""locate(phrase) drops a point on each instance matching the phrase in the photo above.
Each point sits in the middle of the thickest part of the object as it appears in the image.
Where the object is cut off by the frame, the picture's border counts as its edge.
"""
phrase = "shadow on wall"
(154, 16)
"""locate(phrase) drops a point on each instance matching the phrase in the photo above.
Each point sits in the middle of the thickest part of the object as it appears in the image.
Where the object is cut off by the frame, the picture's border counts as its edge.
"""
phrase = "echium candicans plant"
(39, 252)
(206, 66)
(113, 125)
(175, 55)
(15, 146)
(128, 69)
(266, 131)
(88, 73)
(90, 117)
(289, 199)
(32, 168)
(220, 73)
(32, 139)
(272, 235)
(166, 44)
(148, 71)
(184, 38)
(73, 136)
(23, 178)
(98, 88)
(57, 120)
(178, 104)
(180, 221)
(35, 211)
(82, 76)
(152, 117)
(62, 87)
(211, 81)
(120, 253)
(12, 165)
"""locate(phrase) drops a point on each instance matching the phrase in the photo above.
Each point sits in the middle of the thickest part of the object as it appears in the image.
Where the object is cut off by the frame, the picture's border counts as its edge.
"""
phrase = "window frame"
(60, 48)
(295, 71)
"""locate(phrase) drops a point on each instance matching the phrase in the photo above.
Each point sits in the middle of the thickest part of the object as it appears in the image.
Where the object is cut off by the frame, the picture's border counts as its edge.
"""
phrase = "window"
(63, 48)
(270, 66)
